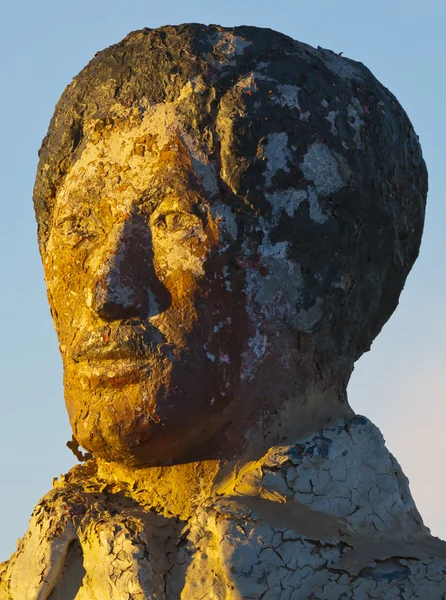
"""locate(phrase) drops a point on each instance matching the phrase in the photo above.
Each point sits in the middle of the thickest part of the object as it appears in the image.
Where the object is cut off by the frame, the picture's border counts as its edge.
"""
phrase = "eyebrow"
(73, 200)
(154, 198)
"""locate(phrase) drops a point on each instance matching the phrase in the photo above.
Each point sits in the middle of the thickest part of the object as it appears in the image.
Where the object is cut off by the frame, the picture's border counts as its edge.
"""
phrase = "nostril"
(113, 301)
(111, 311)
(126, 284)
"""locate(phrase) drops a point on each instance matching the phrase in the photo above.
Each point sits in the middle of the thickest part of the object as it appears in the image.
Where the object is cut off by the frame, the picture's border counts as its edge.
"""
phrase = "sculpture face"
(152, 322)
(221, 228)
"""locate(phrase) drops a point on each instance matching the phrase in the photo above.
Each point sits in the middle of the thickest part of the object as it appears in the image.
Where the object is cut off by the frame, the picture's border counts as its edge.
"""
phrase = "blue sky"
(399, 384)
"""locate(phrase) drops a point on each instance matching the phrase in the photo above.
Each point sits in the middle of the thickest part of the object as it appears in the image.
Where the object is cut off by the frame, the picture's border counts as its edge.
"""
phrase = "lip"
(126, 342)
(108, 354)
(113, 372)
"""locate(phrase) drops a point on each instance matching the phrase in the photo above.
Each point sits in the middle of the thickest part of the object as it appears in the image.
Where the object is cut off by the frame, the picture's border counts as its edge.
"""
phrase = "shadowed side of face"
(218, 238)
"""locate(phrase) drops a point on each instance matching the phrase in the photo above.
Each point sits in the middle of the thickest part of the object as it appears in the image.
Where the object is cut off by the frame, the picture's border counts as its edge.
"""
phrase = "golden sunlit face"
(136, 269)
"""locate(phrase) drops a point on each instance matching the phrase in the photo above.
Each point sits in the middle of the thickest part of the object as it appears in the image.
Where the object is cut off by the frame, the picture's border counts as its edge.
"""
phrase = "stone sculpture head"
(226, 220)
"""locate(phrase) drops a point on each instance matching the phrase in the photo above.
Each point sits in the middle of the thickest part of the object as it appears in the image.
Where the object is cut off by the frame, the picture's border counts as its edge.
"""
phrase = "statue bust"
(226, 219)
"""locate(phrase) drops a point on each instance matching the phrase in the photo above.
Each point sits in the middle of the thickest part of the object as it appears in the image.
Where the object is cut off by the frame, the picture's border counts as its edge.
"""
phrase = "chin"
(142, 425)
(145, 443)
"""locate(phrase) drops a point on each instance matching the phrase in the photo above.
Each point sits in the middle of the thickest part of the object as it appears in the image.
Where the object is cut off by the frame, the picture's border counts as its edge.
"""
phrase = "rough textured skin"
(226, 221)
(238, 211)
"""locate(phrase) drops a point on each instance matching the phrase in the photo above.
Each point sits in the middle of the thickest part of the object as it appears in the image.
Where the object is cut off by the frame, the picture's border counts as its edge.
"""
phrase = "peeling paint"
(316, 213)
(228, 46)
(342, 66)
(201, 164)
(248, 83)
(301, 520)
(277, 154)
(287, 95)
(321, 167)
(331, 118)
(226, 220)
(286, 200)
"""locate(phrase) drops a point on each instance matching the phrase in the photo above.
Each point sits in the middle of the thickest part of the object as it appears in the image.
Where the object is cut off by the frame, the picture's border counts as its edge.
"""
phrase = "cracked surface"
(329, 517)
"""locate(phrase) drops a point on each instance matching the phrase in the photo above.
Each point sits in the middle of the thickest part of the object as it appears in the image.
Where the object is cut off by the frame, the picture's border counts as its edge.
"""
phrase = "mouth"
(111, 354)
(113, 373)
(126, 343)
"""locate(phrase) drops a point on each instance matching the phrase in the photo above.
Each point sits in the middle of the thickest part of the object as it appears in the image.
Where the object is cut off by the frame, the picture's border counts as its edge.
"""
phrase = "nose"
(126, 284)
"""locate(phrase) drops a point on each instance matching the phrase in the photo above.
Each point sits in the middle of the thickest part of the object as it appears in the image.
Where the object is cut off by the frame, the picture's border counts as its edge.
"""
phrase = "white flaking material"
(300, 524)
(230, 45)
(195, 85)
(41, 555)
(316, 213)
(204, 168)
(248, 83)
(344, 67)
(160, 121)
(277, 155)
(225, 219)
(321, 167)
(287, 95)
(328, 516)
(326, 476)
(227, 46)
(331, 118)
(252, 358)
(288, 200)
(172, 255)
(272, 292)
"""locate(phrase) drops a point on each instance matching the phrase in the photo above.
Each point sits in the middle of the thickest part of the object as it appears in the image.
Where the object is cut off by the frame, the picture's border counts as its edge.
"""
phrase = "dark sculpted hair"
(287, 123)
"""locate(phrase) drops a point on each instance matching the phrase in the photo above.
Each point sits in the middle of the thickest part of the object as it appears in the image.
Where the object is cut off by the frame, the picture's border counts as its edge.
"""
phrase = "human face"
(150, 320)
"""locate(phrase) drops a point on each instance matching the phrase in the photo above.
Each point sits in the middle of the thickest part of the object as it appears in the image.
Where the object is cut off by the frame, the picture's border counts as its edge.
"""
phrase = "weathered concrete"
(226, 220)
(329, 517)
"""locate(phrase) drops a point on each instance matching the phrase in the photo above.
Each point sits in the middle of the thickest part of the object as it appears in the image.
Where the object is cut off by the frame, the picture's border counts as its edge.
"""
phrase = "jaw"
(168, 411)
(152, 415)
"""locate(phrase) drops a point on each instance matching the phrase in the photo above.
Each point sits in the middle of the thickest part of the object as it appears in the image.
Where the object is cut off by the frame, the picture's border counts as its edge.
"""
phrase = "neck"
(171, 491)
(317, 407)
(177, 490)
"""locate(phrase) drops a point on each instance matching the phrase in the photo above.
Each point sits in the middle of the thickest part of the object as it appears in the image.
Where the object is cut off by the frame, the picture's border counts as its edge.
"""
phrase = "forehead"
(127, 155)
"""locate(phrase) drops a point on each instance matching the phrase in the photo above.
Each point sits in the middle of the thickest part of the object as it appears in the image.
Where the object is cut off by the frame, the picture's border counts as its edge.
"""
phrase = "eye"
(76, 228)
(182, 223)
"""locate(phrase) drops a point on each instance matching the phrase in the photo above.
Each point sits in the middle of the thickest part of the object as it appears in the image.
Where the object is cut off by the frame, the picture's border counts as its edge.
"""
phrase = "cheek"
(173, 254)
(222, 316)
(177, 321)
(181, 266)
(207, 312)
(65, 279)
